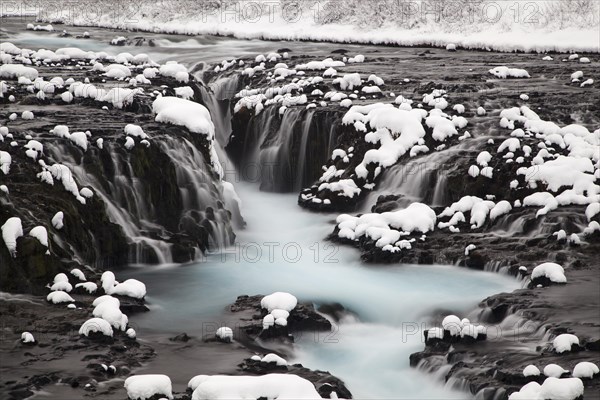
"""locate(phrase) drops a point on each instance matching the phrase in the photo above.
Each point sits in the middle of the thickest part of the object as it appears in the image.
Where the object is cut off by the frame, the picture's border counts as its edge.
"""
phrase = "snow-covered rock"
(585, 369)
(564, 342)
(531, 370)
(96, 325)
(554, 272)
(270, 386)
(11, 231)
(59, 297)
(142, 387)
(225, 334)
(27, 337)
(554, 370)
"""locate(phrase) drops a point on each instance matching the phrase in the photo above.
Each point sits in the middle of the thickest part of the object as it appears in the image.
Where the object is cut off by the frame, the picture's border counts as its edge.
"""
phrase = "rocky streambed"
(285, 120)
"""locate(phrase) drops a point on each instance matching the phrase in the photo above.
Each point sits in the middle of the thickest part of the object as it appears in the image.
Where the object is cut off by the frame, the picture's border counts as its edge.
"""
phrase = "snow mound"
(550, 270)
(27, 337)
(96, 325)
(563, 343)
(554, 370)
(506, 72)
(59, 297)
(11, 231)
(142, 387)
(531, 370)
(585, 369)
(279, 301)
(224, 333)
(274, 358)
(270, 386)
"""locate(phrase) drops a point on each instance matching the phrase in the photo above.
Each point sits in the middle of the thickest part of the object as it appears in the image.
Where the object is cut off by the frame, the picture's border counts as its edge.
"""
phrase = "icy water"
(283, 249)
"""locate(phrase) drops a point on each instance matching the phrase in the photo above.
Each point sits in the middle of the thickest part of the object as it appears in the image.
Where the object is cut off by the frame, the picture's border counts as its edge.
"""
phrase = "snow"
(453, 324)
(59, 297)
(5, 161)
(79, 139)
(131, 288)
(451, 47)
(11, 231)
(274, 358)
(550, 270)
(175, 70)
(41, 234)
(185, 92)
(564, 342)
(469, 248)
(135, 131)
(270, 386)
(57, 220)
(131, 333)
(531, 370)
(14, 71)
(385, 228)
(435, 333)
(110, 312)
(554, 370)
(63, 286)
(530, 391)
(562, 389)
(183, 112)
(279, 301)
(144, 387)
(129, 143)
(473, 171)
(108, 281)
(225, 333)
(585, 369)
(506, 72)
(76, 272)
(27, 337)
(592, 210)
(90, 287)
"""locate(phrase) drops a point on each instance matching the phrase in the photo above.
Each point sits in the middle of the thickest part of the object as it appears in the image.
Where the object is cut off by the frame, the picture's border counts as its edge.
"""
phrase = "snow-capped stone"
(27, 337)
(96, 325)
(90, 287)
(531, 370)
(274, 358)
(11, 231)
(550, 270)
(77, 273)
(506, 72)
(41, 234)
(554, 370)
(585, 369)
(143, 387)
(453, 324)
(57, 220)
(279, 301)
(270, 386)
(225, 334)
(564, 342)
(59, 297)
(131, 333)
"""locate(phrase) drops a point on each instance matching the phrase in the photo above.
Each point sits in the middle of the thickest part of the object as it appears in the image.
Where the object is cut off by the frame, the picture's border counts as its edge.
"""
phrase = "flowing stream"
(282, 249)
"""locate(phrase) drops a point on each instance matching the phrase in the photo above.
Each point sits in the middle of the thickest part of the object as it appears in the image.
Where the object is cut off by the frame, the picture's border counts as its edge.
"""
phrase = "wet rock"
(182, 337)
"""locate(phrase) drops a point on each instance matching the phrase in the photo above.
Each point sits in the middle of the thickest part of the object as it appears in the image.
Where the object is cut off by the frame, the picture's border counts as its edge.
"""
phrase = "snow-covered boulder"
(142, 387)
(274, 358)
(551, 271)
(58, 297)
(225, 334)
(11, 231)
(270, 386)
(94, 325)
(565, 342)
(585, 369)
(279, 301)
(531, 370)
(554, 370)
(27, 338)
